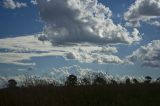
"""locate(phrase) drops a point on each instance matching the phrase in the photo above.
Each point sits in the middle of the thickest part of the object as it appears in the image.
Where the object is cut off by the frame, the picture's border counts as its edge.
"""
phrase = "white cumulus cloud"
(143, 10)
(103, 55)
(34, 2)
(13, 4)
(75, 29)
(77, 21)
(148, 55)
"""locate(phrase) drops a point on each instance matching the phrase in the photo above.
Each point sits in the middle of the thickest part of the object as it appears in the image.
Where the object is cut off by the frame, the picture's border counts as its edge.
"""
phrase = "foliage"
(12, 83)
(128, 81)
(71, 80)
(99, 79)
(99, 93)
(135, 81)
(148, 79)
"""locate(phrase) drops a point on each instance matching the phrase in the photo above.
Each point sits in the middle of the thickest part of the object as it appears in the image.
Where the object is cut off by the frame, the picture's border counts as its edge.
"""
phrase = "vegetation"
(71, 80)
(97, 92)
(12, 83)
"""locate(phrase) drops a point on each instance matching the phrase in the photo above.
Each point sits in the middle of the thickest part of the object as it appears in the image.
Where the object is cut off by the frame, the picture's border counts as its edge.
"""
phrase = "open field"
(88, 95)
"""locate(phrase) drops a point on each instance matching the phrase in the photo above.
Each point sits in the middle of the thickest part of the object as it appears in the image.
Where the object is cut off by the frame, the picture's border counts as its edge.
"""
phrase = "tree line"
(72, 80)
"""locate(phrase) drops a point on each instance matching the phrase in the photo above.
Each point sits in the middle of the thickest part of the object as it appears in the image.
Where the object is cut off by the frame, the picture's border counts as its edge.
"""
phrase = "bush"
(148, 79)
(135, 81)
(85, 81)
(71, 80)
(99, 79)
(12, 83)
(128, 81)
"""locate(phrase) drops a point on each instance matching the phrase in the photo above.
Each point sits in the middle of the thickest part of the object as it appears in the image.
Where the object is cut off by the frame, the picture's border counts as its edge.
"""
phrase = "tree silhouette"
(86, 81)
(71, 80)
(113, 82)
(148, 79)
(12, 83)
(99, 79)
(158, 80)
(135, 81)
(128, 81)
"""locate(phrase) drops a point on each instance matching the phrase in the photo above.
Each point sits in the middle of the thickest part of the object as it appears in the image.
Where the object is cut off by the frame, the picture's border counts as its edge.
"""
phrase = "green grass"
(107, 95)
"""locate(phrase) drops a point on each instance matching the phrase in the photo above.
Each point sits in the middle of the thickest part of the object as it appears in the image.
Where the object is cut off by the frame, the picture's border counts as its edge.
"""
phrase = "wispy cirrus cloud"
(18, 49)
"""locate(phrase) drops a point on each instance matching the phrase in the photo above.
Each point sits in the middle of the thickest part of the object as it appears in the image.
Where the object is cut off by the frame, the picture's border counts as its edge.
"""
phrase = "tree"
(148, 79)
(128, 81)
(85, 81)
(99, 79)
(71, 80)
(158, 80)
(113, 82)
(12, 83)
(135, 81)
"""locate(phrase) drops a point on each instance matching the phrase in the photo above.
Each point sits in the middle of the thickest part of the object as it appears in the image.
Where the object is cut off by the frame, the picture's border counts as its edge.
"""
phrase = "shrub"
(71, 80)
(85, 81)
(128, 81)
(135, 81)
(99, 79)
(148, 79)
(12, 83)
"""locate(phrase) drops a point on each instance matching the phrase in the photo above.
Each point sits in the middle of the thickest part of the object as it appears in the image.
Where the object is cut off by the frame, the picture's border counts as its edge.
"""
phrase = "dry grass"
(88, 95)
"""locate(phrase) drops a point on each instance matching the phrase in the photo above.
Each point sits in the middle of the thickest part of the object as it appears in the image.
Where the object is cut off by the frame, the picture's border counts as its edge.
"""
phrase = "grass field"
(88, 95)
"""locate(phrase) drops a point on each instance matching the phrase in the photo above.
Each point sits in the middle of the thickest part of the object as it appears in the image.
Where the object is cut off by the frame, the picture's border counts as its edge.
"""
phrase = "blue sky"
(18, 24)
(19, 21)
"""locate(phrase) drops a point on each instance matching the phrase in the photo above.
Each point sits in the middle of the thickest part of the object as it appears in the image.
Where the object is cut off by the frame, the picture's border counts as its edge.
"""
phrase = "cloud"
(70, 21)
(154, 22)
(66, 71)
(11, 4)
(68, 25)
(148, 56)
(103, 55)
(18, 49)
(106, 50)
(54, 74)
(60, 74)
(34, 2)
(142, 11)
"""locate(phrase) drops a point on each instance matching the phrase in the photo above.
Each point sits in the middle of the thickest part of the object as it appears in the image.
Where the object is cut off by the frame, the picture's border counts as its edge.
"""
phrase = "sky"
(56, 37)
